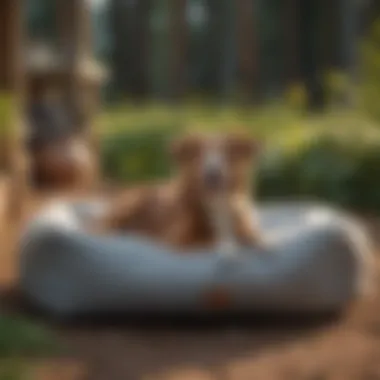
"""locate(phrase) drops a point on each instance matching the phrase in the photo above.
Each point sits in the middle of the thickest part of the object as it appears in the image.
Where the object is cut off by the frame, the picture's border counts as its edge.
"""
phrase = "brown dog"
(208, 203)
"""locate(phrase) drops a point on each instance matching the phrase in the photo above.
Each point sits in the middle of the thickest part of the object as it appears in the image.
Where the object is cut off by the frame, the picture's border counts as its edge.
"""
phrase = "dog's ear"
(243, 146)
(185, 149)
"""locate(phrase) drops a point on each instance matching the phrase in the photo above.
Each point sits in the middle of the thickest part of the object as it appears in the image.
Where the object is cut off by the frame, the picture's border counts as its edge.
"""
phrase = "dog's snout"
(213, 178)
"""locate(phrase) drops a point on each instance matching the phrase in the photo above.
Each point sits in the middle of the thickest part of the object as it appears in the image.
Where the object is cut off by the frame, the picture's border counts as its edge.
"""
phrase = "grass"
(270, 122)
(128, 118)
(21, 340)
(21, 337)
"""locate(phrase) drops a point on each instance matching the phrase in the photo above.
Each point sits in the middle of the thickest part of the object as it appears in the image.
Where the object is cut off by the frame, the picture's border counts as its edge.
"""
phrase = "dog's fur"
(208, 203)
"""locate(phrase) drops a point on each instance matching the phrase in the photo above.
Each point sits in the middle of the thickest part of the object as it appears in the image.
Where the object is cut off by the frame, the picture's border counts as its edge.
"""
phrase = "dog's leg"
(246, 226)
(227, 244)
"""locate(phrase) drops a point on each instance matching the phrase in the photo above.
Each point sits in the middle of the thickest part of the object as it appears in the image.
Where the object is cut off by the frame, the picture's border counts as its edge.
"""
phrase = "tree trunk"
(340, 42)
(74, 23)
(120, 56)
(311, 54)
(213, 47)
(247, 49)
(291, 36)
(178, 51)
(141, 31)
(348, 47)
(131, 36)
(229, 57)
(220, 50)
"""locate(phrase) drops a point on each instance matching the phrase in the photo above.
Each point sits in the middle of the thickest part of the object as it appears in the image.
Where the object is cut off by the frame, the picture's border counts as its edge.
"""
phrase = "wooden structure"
(69, 70)
(84, 75)
(12, 84)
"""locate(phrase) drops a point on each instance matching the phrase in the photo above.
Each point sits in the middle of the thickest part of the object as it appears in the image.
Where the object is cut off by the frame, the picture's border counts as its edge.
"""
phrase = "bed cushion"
(319, 261)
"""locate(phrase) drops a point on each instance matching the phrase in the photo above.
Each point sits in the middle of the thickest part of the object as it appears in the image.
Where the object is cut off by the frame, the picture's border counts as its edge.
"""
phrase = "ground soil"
(344, 348)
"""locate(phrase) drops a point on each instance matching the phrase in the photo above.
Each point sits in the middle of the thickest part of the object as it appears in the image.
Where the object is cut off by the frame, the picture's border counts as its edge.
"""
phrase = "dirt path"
(347, 349)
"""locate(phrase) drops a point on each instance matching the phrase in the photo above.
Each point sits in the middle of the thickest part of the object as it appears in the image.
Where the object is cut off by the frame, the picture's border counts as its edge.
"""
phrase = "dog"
(207, 203)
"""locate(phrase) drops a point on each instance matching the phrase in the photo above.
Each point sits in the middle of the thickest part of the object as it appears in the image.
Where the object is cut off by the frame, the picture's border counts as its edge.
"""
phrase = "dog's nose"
(213, 178)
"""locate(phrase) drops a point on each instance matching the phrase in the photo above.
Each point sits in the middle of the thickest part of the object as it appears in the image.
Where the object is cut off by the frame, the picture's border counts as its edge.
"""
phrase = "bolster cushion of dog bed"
(318, 261)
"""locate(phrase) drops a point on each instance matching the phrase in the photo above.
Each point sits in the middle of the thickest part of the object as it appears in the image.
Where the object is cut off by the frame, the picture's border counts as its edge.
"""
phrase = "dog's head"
(216, 164)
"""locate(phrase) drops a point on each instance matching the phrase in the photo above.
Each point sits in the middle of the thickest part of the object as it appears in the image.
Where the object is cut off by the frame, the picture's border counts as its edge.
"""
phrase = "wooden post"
(12, 81)
(81, 90)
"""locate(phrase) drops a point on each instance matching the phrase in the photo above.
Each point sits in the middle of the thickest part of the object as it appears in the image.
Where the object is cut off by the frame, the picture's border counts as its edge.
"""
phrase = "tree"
(291, 36)
(41, 19)
(178, 49)
(347, 50)
(247, 48)
(140, 78)
(213, 45)
(74, 34)
(129, 21)
(312, 71)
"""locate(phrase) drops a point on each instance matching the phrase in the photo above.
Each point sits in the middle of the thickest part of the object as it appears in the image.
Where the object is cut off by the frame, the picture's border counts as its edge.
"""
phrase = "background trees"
(255, 48)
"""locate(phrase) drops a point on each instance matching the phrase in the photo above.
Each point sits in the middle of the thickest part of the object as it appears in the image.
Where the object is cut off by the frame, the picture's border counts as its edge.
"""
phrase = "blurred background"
(122, 76)
(226, 50)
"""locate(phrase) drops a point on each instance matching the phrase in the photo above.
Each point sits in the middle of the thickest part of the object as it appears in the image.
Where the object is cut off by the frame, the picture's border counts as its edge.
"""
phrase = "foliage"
(370, 73)
(136, 157)
(333, 167)
(332, 157)
(20, 337)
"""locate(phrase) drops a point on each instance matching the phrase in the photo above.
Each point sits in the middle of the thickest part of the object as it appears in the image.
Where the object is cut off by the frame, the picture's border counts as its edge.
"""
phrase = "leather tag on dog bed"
(218, 298)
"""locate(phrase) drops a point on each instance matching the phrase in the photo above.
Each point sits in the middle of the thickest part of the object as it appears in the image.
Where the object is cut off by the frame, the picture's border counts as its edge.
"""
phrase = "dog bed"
(318, 261)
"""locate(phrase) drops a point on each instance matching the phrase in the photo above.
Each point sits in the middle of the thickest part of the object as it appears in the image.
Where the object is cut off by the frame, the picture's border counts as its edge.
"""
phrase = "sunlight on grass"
(128, 118)
(273, 123)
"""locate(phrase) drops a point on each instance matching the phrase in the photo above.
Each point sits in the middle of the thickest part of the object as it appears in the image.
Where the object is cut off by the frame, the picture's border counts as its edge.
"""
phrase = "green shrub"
(136, 156)
(369, 93)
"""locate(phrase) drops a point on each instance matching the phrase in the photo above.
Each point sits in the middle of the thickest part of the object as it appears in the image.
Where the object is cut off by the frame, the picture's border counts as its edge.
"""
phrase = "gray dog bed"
(319, 261)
